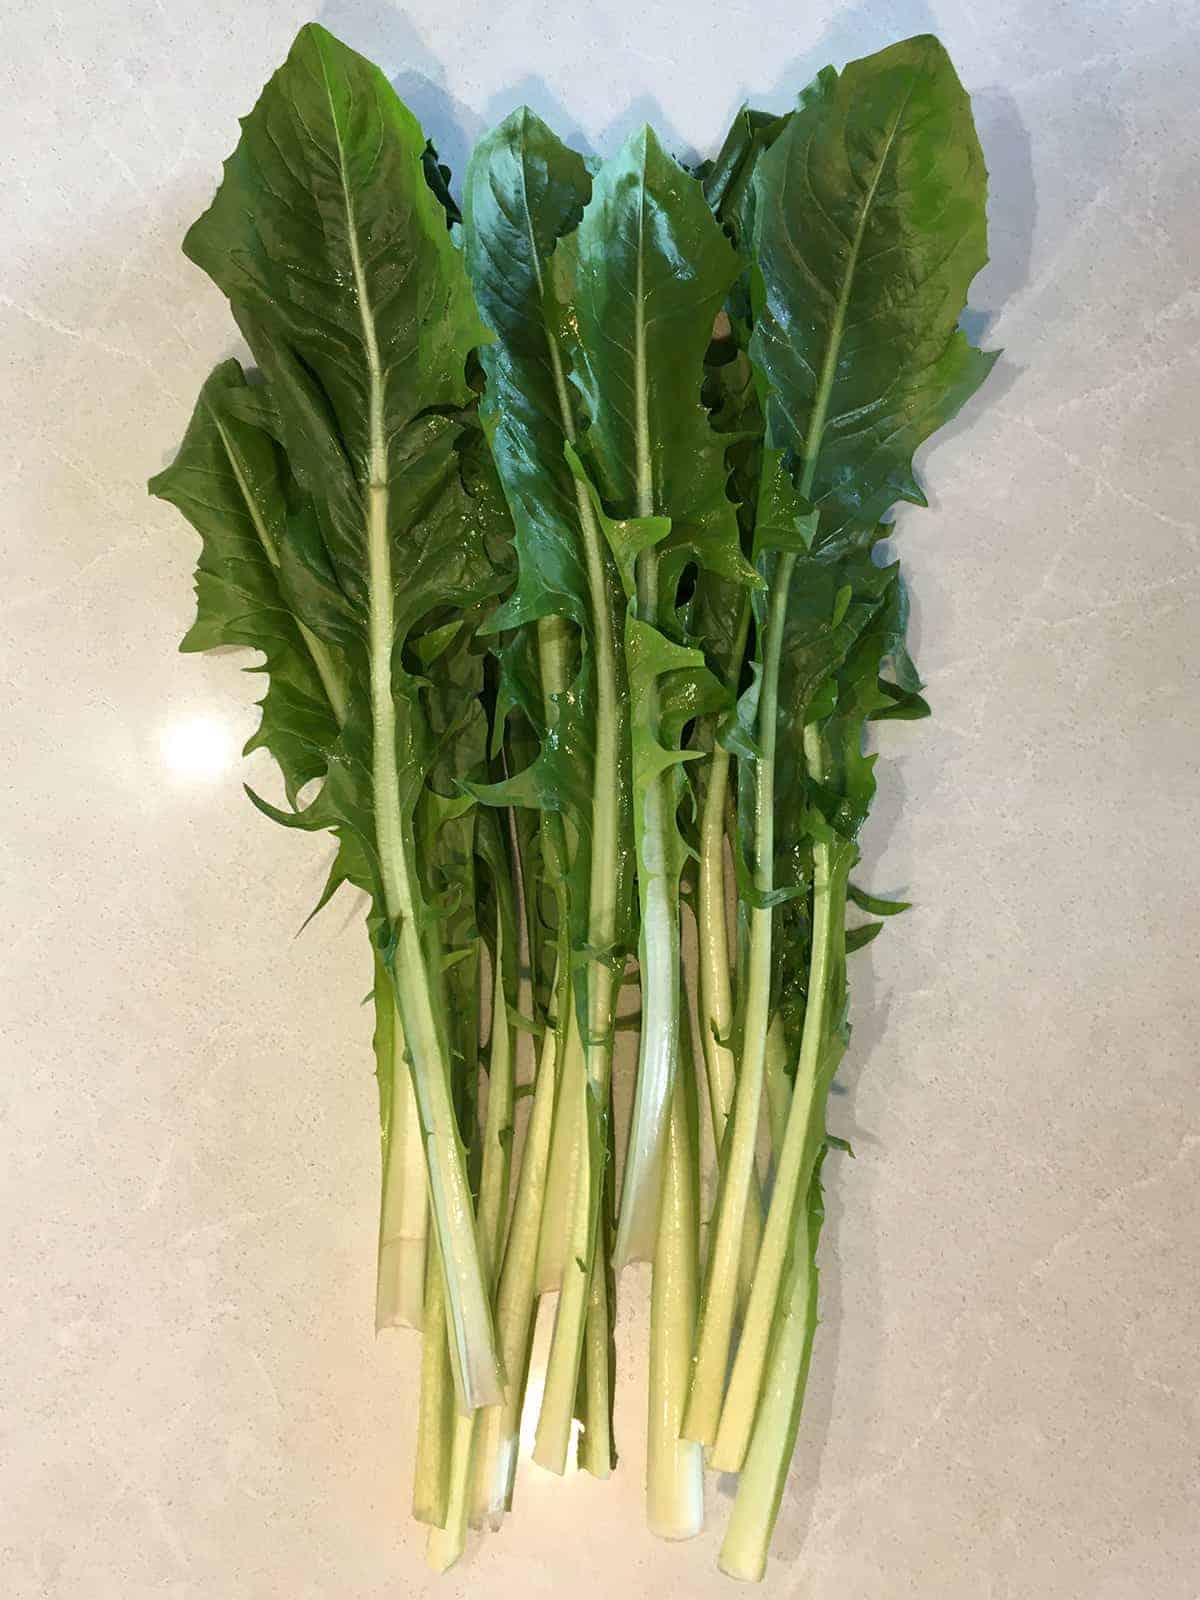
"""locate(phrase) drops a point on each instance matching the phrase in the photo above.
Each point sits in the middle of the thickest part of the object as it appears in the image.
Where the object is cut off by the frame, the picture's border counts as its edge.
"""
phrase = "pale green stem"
(558, 1402)
(552, 1439)
(468, 1312)
(498, 1126)
(747, 1539)
(714, 963)
(796, 1156)
(675, 1466)
(568, 1157)
(596, 1440)
(404, 1208)
(779, 1085)
(446, 1543)
(498, 1436)
(562, 1371)
(435, 1418)
(720, 1293)
(516, 1300)
(554, 638)
(714, 966)
(658, 963)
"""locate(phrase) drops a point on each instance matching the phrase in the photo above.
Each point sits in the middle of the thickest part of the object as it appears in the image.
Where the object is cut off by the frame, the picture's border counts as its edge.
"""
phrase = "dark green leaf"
(897, 706)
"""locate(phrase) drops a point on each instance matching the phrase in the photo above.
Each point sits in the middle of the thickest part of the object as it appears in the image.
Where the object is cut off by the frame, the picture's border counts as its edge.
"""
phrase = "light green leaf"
(329, 242)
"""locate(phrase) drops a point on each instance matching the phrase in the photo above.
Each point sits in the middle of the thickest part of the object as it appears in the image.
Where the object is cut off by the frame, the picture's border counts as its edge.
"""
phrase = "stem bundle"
(558, 524)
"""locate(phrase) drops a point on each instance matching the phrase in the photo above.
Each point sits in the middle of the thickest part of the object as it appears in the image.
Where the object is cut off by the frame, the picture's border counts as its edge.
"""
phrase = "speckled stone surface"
(1004, 1395)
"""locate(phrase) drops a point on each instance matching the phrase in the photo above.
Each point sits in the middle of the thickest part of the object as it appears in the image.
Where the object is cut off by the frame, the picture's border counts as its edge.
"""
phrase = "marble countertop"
(1004, 1396)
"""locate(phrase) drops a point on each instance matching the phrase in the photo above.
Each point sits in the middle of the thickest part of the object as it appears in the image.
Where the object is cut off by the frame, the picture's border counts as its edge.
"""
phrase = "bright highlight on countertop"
(198, 747)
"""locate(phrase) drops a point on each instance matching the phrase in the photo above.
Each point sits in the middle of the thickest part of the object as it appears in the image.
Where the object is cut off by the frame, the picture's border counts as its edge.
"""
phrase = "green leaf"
(729, 188)
(869, 227)
(232, 482)
(728, 182)
(848, 785)
(329, 242)
(856, 938)
(897, 706)
(874, 904)
(525, 191)
(437, 177)
(784, 519)
(651, 271)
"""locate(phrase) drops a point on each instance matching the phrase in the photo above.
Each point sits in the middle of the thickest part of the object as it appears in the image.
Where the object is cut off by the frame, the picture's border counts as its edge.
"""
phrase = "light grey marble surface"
(1004, 1395)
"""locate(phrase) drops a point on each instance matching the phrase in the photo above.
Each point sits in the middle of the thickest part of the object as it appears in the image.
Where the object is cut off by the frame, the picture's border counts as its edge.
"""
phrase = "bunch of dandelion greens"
(557, 522)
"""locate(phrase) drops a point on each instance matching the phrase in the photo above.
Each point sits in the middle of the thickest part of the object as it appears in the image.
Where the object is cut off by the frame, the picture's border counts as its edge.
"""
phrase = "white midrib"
(472, 1343)
(816, 421)
(641, 408)
(321, 659)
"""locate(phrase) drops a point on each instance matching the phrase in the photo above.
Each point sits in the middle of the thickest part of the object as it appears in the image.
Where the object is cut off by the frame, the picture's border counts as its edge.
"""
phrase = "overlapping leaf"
(729, 189)
(232, 483)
